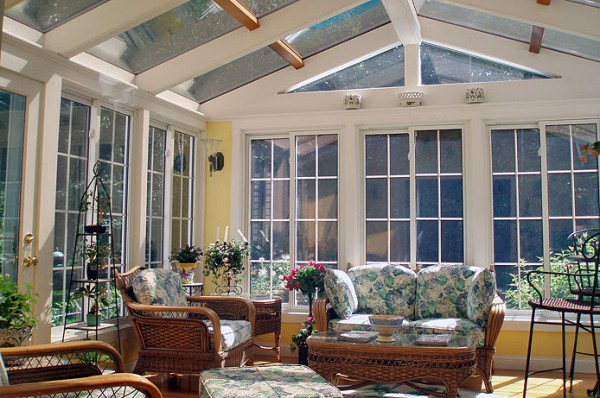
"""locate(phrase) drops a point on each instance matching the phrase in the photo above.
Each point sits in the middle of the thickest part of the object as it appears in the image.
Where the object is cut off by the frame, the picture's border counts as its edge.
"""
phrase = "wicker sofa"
(459, 299)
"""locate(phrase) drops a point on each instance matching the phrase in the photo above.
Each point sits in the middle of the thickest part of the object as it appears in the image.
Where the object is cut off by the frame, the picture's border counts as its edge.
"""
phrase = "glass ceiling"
(511, 29)
(593, 3)
(44, 15)
(307, 42)
(176, 31)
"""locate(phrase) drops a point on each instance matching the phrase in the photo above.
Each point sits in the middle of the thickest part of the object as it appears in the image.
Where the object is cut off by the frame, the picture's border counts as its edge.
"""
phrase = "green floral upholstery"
(340, 292)
(159, 287)
(3, 374)
(384, 289)
(455, 291)
(233, 333)
(293, 381)
(163, 287)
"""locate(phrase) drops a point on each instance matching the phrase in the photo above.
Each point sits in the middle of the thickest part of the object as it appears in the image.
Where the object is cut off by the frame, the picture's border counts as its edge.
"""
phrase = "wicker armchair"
(82, 368)
(187, 339)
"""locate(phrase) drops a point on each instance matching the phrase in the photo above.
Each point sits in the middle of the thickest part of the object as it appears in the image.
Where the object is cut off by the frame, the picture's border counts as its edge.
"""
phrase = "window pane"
(452, 241)
(328, 241)
(261, 206)
(505, 242)
(558, 146)
(376, 197)
(328, 199)
(399, 198)
(305, 199)
(399, 163)
(426, 152)
(260, 239)
(261, 158)
(451, 151)
(305, 156)
(503, 151)
(427, 238)
(583, 134)
(400, 241)
(377, 241)
(281, 240)
(306, 241)
(281, 199)
(427, 197)
(530, 196)
(376, 155)
(281, 162)
(586, 199)
(559, 195)
(451, 196)
(531, 238)
(559, 231)
(328, 158)
(529, 147)
(505, 192)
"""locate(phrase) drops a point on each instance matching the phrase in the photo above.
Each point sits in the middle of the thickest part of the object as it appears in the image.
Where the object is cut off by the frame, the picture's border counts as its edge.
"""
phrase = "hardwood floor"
(508, 383)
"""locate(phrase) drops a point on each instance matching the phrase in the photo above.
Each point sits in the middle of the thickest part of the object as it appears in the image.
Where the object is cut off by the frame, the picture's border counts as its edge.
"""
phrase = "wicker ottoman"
(265, 381)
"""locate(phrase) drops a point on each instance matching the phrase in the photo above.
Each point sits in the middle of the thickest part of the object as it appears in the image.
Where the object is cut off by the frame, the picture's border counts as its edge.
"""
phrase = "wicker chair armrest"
(110, 385)
(495, 319)
(322, 313)
(43, 355)
(191, 314)
(226, 307)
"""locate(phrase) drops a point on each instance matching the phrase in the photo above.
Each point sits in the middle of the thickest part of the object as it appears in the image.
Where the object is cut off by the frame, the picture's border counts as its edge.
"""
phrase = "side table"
(194, 288)
(268, 320)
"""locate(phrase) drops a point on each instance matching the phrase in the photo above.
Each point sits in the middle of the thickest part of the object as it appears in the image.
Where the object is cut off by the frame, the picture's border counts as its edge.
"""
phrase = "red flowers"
(589, 149)
(306, 278)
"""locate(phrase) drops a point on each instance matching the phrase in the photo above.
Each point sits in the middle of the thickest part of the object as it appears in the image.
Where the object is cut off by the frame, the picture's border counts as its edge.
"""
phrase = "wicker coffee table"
(400, 362)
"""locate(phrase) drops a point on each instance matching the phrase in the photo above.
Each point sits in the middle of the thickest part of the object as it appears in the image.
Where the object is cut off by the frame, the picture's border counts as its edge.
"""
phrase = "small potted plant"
(96, 255)
(16, 313)
(97, 204)
(299, 340)
(97, 299)
(185, 261)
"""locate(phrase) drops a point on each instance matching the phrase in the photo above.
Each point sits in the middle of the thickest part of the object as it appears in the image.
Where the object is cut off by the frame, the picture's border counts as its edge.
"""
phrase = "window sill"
(107, 334)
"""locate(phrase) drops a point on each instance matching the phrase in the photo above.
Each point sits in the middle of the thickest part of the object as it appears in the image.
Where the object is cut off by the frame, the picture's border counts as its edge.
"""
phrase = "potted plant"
(16, 313)
(96, 255)
(299, 340)
(97, 298)
(185, 261)
(225, 262)
(97, 203)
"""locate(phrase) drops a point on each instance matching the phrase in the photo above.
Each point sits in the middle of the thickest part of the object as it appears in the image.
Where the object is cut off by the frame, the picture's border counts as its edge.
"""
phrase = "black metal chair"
(582, 276)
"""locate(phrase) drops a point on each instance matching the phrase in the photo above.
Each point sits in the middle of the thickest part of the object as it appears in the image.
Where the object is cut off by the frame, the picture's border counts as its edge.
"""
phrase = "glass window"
(437, 186)
(45, 15)
(183, 188)
(441, 65)
(71, 180)
(155, 209)
(293, 210)
(520, 225)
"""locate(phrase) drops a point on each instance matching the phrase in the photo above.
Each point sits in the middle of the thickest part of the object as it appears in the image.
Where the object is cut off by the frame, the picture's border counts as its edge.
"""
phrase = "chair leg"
(528, 352)
(595, 344)
(564, 356)
(572, 369)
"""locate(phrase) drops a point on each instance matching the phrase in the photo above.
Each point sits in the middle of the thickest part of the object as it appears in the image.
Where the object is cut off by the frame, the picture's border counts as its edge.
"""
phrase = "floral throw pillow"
(159, 287)
(340, 292)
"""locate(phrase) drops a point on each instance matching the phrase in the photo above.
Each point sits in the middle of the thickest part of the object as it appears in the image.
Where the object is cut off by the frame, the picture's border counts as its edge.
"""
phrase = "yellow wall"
(217, 214)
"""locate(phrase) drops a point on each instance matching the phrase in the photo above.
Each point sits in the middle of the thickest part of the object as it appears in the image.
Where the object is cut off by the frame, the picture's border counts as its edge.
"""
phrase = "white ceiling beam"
(240, 42)
(103, 22)
(404, 19)
(561, 15)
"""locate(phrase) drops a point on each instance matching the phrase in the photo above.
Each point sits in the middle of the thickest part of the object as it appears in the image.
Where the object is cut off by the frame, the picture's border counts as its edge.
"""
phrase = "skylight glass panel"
(472, 19)
(571, 44)
(441, 65)
(44, 15)
(383, 70)
(176, 31)
(592, 3)
(339, 28)
(232, 75)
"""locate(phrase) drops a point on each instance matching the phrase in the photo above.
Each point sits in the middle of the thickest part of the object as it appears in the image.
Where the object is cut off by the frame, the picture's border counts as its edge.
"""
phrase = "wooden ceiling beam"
(535, 43)
(544, 2)
(285, 51)
(237, 10)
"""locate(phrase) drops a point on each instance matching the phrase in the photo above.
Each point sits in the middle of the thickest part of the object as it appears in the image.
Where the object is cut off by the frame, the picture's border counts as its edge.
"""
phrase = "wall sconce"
(216, 160)
(411, 98)
(352, 101)
(474, 95)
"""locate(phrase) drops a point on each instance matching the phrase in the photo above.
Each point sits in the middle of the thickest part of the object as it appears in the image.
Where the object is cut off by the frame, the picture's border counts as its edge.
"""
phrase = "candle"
(242, 235)
(226, 232)
(218, 228)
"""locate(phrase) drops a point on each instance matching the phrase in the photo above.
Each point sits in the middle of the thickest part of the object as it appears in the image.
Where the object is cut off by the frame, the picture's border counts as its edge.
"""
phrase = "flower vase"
(303, 355)
(186, 272)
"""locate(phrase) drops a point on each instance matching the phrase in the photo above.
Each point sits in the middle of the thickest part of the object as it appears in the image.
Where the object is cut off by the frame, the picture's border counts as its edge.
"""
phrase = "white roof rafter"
(404, 20)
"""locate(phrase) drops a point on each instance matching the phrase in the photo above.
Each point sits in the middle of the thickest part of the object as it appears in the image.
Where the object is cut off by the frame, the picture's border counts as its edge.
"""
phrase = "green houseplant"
(185, 261)
(16, 313)
(97, 298)
(96, 254)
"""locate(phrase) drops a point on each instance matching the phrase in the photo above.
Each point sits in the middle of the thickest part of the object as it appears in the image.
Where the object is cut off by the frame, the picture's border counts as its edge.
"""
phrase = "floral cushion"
(233, 333)
(159, 287)
(384, 289)
(340, 292)
(3, 374)
(444, 291)
(293, 381)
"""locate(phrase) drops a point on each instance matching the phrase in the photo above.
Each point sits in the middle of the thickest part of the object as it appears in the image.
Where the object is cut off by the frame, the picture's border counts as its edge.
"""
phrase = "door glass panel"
(12, 127)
